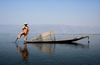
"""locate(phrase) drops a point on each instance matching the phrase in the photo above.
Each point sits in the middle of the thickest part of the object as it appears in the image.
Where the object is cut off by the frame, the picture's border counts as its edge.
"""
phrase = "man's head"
(25, 24)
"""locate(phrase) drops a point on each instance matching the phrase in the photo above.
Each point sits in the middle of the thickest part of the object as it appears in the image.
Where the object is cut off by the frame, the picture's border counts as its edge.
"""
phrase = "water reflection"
(50, 47)
(76, 45)
(24, 52)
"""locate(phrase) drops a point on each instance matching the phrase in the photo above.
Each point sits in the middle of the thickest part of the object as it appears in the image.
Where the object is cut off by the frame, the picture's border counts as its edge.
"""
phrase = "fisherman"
(25, 30)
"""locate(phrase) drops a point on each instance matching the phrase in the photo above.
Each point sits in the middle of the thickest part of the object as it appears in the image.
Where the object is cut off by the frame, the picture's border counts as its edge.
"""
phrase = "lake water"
(79, 53)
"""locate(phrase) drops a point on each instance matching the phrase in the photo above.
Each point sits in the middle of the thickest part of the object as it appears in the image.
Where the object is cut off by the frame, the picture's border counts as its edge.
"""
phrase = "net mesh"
(47, 36)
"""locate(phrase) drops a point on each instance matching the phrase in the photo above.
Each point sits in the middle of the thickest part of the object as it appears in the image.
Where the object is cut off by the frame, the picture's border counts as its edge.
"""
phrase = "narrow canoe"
(59, 41)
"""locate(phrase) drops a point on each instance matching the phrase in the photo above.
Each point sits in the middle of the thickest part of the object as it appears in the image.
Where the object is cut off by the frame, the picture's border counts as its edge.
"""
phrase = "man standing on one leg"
(25, 30)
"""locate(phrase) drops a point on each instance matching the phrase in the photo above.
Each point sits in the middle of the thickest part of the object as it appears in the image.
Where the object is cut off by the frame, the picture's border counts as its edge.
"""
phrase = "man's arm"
(28, 28)
(23, 27)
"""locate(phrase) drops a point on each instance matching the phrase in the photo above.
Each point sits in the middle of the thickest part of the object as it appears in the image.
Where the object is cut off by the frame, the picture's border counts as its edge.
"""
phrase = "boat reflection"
(24, 52)
(49, 48)
(76, 45)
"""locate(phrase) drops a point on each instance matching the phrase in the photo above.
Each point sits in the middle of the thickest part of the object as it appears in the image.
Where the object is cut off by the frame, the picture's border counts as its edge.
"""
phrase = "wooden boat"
(60, 41)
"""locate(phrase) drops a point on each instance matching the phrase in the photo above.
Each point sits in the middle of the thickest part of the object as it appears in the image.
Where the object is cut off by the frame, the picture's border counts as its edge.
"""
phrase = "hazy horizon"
(63, 29)
(61, 16)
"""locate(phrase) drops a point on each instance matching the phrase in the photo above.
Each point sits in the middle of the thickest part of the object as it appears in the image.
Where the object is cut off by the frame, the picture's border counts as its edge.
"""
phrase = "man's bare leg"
(25, 38)
(18, 36)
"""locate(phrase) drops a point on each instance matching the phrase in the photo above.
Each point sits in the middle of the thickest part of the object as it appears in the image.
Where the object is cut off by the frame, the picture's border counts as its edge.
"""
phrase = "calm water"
(79, 53)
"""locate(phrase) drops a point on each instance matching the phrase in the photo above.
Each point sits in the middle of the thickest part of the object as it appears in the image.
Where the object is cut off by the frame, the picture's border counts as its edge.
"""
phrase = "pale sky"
(68, 12)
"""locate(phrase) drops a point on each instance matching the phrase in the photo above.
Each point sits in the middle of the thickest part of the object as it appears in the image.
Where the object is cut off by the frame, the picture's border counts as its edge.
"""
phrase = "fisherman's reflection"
(24, 52)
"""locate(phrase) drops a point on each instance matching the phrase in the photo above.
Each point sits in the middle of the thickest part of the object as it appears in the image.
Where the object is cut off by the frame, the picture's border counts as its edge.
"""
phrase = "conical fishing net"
(47, 36)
